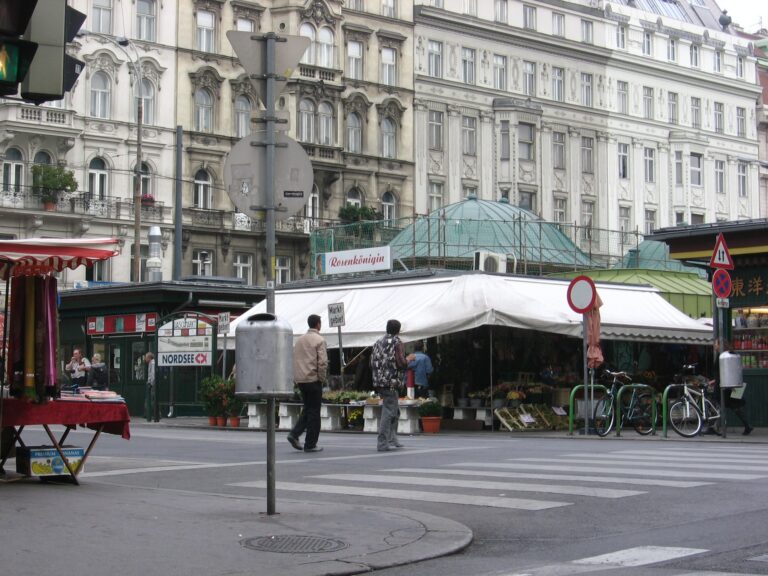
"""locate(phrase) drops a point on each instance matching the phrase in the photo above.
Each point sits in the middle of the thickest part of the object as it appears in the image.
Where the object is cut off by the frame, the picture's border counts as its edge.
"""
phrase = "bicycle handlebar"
(622, 376)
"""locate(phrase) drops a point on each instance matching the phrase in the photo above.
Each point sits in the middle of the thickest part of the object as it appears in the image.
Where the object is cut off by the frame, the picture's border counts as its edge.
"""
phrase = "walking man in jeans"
(387, 364)
(310, 362)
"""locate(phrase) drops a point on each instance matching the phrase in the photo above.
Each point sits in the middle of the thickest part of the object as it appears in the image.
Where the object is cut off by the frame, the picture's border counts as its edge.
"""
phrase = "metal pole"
(177, 208)
(137, 180)
(224, 359)
(721, 349)
(341, 357)
(269, 186)
(587, 406)
(270, 456)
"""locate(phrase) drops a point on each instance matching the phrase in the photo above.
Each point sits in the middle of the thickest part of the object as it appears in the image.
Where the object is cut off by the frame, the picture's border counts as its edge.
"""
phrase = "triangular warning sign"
(721, 257)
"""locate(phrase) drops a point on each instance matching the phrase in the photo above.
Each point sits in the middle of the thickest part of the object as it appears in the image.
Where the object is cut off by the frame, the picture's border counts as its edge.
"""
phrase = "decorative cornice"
(319, 12)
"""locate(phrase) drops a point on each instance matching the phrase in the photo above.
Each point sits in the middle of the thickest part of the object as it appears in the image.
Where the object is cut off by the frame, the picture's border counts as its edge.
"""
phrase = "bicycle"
(638, 411)
(690, 413)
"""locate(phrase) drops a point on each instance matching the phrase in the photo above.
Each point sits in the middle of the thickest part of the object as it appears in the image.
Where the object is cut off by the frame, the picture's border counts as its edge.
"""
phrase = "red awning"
(45, 255)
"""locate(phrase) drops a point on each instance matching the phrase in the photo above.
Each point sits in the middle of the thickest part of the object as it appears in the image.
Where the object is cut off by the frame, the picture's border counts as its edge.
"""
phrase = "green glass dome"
(458, 230)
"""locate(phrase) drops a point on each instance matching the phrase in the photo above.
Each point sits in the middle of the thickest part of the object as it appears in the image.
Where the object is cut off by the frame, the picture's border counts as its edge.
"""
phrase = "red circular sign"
(581, 294)
(721, 283)
(200, 358)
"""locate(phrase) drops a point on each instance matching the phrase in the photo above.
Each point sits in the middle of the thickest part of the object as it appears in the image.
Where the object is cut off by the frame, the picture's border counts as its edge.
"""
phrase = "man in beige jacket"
(310, 362)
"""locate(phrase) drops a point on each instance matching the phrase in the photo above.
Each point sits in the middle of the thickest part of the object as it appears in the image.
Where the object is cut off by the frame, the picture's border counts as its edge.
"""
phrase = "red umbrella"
(594, 353)
(44, 255)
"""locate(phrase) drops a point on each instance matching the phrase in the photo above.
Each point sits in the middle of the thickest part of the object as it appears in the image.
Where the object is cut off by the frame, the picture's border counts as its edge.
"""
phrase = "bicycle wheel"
(604, 416)
(685, 418)
(642, 414)
(713, 416)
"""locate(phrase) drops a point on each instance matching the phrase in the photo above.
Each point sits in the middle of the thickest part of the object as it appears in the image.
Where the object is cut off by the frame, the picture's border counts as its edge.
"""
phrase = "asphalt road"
(537, 505)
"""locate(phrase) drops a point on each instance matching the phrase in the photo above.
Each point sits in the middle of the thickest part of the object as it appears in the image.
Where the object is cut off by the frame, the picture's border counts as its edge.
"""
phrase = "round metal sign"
(581, 294)
(721, 283)
(244, 176)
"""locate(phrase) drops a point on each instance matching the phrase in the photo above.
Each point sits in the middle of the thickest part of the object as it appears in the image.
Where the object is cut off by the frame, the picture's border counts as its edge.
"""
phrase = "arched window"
(308, 31)
(325, 121)
(146, 181)
(388, 138)
(13, 170)
(388, 206)
(354, 133)
(325, 48)
(98, 179)
(100, 87)
(307, 121)
(42, 157)
(148, 102)
(203, 190)
(354, 197)
(242, 116)
(312, 207)
(203, 111)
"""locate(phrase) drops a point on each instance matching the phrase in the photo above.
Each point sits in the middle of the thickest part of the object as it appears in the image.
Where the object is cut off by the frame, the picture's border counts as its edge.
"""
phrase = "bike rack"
(618, 406)
(665, 407)
(571, 414)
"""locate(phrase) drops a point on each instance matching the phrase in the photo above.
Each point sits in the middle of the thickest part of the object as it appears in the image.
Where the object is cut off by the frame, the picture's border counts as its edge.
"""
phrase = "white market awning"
(442, 305)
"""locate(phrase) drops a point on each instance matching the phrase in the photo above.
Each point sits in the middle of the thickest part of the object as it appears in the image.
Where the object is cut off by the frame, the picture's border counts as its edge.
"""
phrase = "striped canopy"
(46, 255)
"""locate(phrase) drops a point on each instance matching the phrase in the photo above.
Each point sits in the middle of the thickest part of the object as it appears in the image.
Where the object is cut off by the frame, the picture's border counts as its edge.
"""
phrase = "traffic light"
(52, 71)
(15, 54)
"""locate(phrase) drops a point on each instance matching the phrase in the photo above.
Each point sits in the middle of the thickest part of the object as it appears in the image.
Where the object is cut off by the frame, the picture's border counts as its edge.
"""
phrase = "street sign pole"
(269, 102)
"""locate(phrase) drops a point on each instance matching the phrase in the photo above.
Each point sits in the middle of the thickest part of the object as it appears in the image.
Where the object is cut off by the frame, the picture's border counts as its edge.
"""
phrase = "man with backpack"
(387, 364)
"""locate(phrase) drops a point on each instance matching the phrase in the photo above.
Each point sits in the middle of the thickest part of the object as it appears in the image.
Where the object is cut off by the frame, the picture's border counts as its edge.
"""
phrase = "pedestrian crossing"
(634, 560)
(539, 483)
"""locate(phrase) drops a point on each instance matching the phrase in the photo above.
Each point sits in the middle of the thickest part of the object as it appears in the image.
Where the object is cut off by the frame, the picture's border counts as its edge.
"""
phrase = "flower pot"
(475, 402)
(234, 421)
(499, 402)
(49, 206)
(462, 402)
(431, 424)
(211, 420)
(221, 421)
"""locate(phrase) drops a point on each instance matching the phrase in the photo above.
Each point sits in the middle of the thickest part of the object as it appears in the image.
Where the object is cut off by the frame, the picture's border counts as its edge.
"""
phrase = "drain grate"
(291, 544)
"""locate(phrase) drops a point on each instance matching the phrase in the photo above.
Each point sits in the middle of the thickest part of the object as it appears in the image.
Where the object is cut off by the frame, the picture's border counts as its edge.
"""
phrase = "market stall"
(29, 346)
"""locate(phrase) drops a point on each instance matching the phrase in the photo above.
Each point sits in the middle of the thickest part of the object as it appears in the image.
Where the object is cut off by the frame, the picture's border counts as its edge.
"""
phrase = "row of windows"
(203, 264)
(101, 105)
(661, 7)
(316, 126)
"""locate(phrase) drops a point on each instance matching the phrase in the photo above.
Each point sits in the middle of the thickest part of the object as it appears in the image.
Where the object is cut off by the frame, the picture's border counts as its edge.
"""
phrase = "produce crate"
(45, 461)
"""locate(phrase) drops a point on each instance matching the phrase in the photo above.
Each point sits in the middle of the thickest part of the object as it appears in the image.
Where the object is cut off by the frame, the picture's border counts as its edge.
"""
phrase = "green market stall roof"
(458, 230)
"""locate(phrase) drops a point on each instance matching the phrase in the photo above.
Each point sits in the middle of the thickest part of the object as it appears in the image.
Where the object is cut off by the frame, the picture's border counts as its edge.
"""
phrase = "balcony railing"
(83, 204)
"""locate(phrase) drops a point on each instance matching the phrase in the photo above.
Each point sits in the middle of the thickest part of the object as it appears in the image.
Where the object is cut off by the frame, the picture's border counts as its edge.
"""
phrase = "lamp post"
(135, 62)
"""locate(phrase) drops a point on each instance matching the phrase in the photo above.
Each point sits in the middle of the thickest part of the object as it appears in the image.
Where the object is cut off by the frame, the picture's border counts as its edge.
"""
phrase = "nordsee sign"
(365, 260)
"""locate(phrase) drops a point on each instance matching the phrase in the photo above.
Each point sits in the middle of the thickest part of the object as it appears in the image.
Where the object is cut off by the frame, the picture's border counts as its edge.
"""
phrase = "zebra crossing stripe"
(566, 477)
(749, 457)
(640, 556)
(486, 485)
(629, 461)
(464, 499)
(609, 469)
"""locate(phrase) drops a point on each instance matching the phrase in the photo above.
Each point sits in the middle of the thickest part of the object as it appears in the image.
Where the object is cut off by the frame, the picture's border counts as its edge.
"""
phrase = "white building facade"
(599, 114)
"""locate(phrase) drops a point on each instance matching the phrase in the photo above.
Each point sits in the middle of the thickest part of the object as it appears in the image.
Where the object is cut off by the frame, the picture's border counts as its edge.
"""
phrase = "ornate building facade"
(602, 114)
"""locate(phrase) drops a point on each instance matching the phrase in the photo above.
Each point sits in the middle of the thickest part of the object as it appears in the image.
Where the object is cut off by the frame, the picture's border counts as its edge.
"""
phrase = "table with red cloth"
(109, 417)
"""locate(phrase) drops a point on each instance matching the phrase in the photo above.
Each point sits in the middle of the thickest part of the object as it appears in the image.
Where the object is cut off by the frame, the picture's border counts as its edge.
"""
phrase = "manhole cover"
(294, 544)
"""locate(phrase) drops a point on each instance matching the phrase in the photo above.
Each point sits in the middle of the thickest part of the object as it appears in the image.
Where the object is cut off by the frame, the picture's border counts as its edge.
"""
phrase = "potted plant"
(234, 405)
(48, 181)
(147, 200)
(431, 413)
(213, 392)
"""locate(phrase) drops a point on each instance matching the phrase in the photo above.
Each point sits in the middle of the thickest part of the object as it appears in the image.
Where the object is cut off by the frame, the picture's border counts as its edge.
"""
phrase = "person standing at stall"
(422, 368)
(387, 364)
(310, 363)
(151, 409)
(78, 369)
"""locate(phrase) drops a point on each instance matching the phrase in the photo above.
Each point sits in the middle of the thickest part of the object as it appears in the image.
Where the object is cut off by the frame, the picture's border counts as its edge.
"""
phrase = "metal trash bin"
(264, 357)
(731, 375)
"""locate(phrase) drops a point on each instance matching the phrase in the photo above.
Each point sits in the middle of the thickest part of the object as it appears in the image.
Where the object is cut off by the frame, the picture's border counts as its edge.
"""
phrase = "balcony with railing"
(18, 112)
(81, 204)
